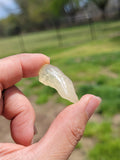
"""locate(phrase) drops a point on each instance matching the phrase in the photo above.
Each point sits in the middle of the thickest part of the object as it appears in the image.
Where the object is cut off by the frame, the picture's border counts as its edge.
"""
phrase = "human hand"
(65, 131)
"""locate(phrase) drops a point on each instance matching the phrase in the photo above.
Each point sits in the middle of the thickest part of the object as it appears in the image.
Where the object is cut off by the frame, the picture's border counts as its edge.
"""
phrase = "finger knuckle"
(75, 134)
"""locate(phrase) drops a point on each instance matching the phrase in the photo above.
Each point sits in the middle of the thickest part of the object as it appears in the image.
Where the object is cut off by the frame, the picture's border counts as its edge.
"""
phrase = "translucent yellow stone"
(52, 76)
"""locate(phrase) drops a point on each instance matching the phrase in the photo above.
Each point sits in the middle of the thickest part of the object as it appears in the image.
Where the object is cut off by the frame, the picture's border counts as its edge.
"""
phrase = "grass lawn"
(93, 66)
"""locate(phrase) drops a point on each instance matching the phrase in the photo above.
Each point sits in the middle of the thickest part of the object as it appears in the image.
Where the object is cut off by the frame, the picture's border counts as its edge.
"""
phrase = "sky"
(7, 7)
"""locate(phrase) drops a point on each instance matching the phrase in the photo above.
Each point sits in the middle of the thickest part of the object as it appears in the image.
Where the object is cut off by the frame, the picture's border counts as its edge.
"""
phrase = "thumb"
(66, 130)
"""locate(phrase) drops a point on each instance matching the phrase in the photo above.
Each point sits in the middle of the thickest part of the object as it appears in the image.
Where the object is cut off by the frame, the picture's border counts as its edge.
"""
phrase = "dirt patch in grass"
(109, 73)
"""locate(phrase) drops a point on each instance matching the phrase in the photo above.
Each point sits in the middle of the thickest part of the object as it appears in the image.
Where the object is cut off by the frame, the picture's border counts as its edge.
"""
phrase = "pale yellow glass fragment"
(51, 76)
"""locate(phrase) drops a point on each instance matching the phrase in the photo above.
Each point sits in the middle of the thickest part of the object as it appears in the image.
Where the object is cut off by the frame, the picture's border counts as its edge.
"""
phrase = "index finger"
(16, 67)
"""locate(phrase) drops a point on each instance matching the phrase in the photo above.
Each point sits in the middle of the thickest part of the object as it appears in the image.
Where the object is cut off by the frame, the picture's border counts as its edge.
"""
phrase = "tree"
(33, 13)
(62, 7)
(39, 14)
(10, 25)
(57, 8)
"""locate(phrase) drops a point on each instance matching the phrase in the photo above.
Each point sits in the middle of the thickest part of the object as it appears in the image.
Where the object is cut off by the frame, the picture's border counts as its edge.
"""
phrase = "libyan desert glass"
(52, 76)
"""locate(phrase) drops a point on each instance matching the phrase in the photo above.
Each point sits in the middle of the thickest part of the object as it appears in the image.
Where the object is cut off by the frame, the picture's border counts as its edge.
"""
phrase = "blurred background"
(82, 38)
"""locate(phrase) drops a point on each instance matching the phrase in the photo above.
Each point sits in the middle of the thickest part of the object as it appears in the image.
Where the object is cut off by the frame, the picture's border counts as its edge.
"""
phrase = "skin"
(65, 131)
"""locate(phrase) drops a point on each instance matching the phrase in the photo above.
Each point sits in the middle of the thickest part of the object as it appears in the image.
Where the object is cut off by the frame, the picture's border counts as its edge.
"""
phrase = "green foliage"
(101, 131)
(115, 67)
(78, 146)
(102, 80)
(116, 39)
(91, 129)
(42, 99)
(103, 59)
(63, 101)
(34, 83)
(34, 13)
(110, 106)
(44, 94)
(106, 148)
(110, 97)
(57, 7)
(11, 25)
(106, 151)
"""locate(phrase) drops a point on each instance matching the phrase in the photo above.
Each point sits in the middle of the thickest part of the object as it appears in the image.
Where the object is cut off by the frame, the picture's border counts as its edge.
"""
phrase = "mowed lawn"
(93, 66)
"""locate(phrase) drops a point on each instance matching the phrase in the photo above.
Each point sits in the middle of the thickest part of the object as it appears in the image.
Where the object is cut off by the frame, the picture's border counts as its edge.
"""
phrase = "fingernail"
(93, 103)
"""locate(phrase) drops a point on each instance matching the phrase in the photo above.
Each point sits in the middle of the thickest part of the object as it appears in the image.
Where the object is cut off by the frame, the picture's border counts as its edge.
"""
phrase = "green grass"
(106, 151)
(45, 94)
(78, 146)
(110, 97)
(102, 132)
(93, 66)
(107, 146)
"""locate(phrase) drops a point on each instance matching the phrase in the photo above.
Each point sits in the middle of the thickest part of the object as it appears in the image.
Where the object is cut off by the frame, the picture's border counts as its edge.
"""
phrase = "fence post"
(92, 28)
(58, 34)
(22, 45)
(21, 41)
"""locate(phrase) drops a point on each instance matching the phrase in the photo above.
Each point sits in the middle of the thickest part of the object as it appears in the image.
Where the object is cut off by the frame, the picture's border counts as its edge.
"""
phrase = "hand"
(65, 131)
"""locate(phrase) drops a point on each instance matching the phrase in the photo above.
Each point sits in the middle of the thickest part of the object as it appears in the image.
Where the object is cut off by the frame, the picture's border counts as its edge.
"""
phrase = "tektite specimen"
(52, 76)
